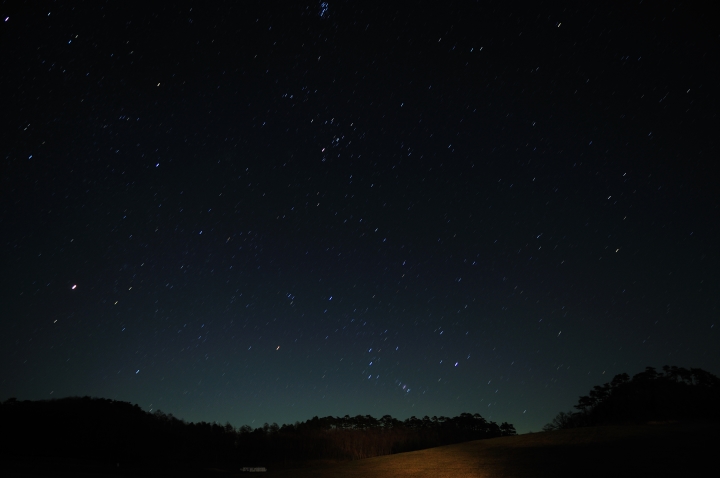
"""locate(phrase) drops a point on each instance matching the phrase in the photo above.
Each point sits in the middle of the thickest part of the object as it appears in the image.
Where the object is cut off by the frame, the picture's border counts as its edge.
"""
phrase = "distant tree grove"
(121, 433)
(675, 393)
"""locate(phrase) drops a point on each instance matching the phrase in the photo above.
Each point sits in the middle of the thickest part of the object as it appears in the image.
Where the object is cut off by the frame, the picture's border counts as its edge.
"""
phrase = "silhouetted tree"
(561, 421)
(507, 429)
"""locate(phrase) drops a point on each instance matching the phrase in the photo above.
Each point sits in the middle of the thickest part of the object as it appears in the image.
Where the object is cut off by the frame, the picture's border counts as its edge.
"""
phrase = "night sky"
(262, 211)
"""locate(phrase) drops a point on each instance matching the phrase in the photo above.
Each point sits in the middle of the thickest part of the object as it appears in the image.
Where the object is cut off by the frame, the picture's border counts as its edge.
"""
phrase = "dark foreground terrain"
(674, 449)
(663, 449)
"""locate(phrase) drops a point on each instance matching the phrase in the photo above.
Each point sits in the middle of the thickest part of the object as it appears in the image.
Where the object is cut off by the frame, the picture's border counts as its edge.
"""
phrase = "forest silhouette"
(114, 433)
(675, 393)
(110, 437)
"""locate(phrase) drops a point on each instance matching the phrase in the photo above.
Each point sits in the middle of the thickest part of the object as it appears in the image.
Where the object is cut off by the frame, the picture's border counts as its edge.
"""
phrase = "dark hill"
(675, 394)
(98, 434)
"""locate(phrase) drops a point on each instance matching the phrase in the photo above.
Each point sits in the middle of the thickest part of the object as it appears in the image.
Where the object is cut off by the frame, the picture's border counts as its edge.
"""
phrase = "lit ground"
(659, 450)
(650, 450)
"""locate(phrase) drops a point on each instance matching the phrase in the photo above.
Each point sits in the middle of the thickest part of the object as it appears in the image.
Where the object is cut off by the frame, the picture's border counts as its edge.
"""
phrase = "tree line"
(675, 393)
(101, 430)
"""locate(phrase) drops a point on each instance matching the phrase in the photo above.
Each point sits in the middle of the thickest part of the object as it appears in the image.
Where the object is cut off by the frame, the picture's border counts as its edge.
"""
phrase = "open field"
(643, 450)
(659, 450)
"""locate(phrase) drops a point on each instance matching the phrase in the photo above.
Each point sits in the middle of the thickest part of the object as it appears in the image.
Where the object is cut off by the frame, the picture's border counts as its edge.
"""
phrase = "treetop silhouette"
(675, 394)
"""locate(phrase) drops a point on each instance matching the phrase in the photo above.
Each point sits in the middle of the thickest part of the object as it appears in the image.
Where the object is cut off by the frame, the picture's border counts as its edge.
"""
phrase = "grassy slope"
(643, 450)
(677, 450)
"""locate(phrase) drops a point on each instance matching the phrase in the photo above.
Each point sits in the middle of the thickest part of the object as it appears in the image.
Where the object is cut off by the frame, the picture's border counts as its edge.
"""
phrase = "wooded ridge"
(102, 430)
